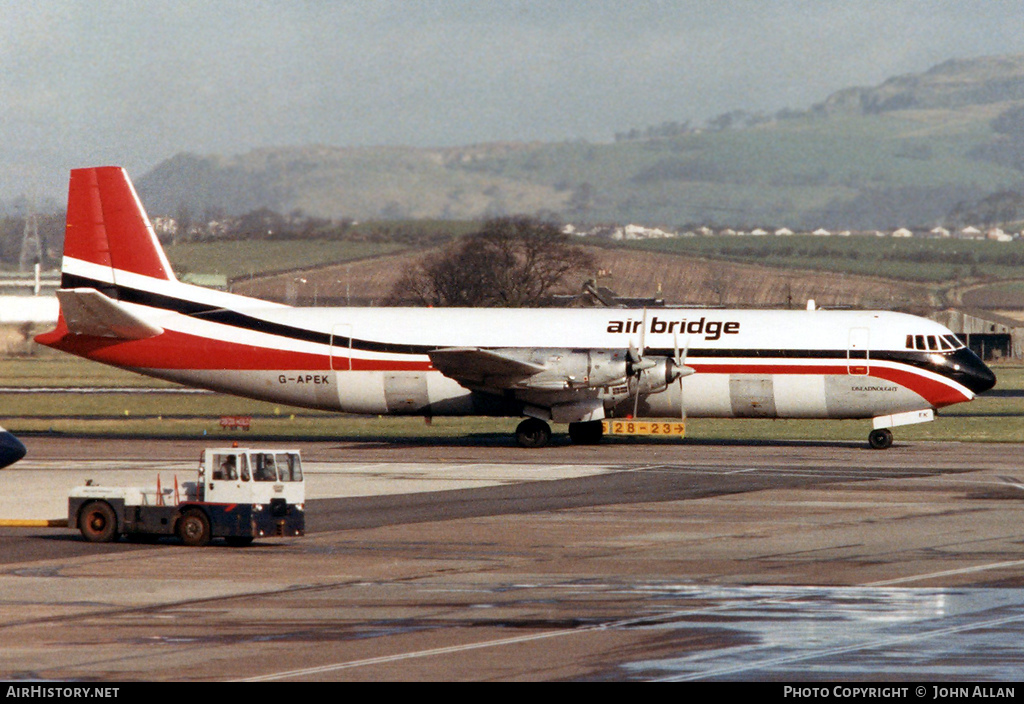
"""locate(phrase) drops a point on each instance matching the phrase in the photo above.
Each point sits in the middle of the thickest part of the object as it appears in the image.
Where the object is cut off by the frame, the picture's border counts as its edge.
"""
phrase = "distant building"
(989, 334)
(902, 232)
(997, 234)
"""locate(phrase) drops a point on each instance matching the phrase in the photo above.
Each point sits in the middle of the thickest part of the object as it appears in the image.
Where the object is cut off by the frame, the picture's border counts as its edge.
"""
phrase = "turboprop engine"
(654, 374)
(571, 369)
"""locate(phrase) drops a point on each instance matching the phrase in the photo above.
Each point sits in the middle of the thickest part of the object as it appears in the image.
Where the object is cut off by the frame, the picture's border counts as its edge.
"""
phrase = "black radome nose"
(11, 449)
(970, 371)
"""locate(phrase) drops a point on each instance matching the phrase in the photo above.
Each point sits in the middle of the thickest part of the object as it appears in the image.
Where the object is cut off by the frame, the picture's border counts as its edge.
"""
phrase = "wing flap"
(474, 366)
(87, 311)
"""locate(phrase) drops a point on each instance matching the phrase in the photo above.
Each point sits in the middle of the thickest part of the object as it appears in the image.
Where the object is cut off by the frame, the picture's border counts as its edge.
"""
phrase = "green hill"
(911, 151)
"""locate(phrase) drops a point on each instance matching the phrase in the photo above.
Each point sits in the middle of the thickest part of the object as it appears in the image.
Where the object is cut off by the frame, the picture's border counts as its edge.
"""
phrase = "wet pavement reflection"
(849, 633)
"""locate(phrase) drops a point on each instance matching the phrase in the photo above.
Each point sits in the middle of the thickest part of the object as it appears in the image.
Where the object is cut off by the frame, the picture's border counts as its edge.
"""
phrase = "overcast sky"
(135, 82)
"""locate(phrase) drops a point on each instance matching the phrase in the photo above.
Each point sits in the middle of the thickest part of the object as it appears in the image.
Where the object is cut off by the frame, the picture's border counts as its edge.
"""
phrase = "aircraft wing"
(473, 366)
(88, 312)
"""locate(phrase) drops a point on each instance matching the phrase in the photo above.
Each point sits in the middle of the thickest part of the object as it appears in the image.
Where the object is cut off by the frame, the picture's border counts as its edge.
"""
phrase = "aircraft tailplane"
(87, 311)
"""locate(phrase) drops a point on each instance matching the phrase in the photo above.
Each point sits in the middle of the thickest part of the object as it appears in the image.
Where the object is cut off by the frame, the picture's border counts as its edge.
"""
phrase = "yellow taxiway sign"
(675, 428)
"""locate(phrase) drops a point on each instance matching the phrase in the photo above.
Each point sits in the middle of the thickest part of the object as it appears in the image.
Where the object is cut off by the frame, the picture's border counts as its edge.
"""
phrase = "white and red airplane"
(122, 305)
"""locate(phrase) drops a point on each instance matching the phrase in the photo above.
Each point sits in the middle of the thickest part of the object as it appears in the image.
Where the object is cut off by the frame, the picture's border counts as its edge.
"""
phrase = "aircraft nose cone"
(972, 372)
(11, 449)
(983, 379)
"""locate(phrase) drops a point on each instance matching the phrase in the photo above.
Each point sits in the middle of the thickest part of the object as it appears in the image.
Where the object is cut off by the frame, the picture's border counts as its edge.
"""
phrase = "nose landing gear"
(880, 439)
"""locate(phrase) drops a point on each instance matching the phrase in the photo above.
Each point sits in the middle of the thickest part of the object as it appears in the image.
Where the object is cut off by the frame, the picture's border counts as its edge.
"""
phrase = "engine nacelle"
(572, 369)
(658, 373)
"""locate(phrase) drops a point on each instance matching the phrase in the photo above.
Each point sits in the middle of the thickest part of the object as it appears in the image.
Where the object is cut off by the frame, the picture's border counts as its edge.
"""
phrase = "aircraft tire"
(880, 439)
(194, 528)
(98, 522)
(586, 433)
(533, 432)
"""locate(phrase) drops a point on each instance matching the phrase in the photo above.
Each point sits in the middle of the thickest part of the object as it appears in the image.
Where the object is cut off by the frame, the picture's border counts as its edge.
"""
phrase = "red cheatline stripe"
(176, 350)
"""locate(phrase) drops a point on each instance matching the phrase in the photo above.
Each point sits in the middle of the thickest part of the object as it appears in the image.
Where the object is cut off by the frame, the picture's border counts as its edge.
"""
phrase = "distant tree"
(261, 224)
(184, 220)
(512, 262)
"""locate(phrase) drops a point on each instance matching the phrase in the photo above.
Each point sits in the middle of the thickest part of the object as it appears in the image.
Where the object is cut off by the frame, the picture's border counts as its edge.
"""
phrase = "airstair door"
(858, 356)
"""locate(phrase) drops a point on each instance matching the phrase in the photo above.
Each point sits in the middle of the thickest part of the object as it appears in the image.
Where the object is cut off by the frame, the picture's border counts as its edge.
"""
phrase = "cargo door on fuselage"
(858, 355)
(406, 392)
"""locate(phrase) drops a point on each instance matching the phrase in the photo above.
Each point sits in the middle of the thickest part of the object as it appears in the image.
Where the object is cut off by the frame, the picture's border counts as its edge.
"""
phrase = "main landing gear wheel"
(533, 432)
(586, 433)
(880, 439)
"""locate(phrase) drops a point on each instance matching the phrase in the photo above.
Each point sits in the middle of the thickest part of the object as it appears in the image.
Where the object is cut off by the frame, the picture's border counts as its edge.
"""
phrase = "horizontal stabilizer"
(474, 365)
(86, 311)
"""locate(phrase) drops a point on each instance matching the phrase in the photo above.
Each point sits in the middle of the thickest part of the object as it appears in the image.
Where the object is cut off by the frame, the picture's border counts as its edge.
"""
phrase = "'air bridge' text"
(710, 329)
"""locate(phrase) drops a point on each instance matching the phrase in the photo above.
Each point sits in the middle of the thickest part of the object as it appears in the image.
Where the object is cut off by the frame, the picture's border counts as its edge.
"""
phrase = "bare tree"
(512, 262)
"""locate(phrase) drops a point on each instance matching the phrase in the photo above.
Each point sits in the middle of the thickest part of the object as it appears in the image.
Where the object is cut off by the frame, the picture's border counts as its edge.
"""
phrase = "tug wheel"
(98, 522)
(194, 528)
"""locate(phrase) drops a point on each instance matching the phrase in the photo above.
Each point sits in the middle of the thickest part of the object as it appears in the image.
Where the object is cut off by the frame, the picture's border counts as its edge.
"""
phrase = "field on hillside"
(363, 270)
(678, 278)
(243, 258)
(904, 259)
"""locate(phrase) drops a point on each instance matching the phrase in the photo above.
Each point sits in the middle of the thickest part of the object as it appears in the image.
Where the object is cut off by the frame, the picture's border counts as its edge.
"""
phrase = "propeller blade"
(633, 354)
(643, 334)
(637, 362)
(682, 370)
(636, 397)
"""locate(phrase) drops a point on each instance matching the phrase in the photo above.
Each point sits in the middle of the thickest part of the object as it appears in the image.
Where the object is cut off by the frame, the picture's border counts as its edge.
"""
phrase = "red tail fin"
(107, 225)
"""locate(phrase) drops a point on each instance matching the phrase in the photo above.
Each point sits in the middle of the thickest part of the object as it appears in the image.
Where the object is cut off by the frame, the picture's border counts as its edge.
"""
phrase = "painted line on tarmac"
(417, 654)
(946, 573)
(33, 523)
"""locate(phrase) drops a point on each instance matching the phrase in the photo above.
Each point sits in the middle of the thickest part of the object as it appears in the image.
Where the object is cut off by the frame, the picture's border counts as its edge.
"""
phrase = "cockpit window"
(933, 343)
